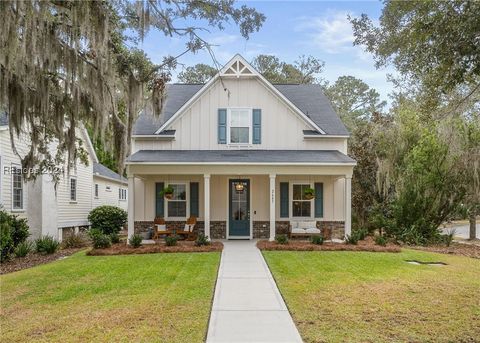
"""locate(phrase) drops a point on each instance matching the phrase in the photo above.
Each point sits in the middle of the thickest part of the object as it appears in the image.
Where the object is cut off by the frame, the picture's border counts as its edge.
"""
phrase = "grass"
(141, 298)
(378, 297)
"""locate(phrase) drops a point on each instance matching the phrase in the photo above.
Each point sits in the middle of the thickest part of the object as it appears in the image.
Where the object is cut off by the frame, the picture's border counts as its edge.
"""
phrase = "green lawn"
(141, 298)
(378, 297)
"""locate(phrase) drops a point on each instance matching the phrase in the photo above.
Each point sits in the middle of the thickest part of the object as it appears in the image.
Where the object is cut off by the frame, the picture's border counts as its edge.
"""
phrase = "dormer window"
(240, 125)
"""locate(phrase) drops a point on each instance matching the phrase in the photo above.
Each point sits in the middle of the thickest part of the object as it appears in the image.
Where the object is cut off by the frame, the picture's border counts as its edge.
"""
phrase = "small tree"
(108, 219)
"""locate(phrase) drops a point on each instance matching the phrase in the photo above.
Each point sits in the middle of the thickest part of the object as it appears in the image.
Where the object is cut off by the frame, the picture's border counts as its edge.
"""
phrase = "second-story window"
(240, 123)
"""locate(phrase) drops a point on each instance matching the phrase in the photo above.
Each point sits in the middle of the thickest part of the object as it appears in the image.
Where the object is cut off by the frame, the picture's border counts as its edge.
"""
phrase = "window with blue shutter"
(194, 199)
(318, 200)
(284, 210)
(257, 126)
(159, 200)
(222, 126)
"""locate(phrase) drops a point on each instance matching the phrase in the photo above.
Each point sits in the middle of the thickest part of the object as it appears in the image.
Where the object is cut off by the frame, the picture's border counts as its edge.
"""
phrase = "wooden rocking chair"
(156, 232)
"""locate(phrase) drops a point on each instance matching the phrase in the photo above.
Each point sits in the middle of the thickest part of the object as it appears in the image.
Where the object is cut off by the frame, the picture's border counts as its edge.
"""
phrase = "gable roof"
(310, 99)
(102, 171)
(308, 103)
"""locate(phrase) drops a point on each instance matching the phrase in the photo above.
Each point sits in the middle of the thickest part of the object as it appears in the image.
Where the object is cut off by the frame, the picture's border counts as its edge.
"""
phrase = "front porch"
(240, 201)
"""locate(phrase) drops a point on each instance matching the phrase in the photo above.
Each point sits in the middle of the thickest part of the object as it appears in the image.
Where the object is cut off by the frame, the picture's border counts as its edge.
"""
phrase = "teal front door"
(239, 208)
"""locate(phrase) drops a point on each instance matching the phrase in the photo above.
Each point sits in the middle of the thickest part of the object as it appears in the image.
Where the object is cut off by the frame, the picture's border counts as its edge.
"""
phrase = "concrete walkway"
(247, 305)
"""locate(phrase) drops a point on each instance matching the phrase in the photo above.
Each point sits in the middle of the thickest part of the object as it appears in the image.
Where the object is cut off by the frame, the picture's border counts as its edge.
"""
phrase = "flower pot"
(309, 196)
(168, 196)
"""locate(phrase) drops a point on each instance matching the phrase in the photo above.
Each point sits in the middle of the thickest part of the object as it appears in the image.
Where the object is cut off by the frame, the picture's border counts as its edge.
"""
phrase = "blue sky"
(292, 28)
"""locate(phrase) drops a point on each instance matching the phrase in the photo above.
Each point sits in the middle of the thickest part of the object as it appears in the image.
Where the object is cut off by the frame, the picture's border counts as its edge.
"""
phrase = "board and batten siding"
(282, 128)
(108, 197)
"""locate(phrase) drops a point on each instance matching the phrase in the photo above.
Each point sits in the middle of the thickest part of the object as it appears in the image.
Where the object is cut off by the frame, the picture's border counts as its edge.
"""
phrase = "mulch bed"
(183, 246)
(294, 245)
(33, 259)
(462, 249)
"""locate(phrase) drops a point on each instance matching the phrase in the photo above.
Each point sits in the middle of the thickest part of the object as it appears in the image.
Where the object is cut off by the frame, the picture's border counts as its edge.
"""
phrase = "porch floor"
(247, 305)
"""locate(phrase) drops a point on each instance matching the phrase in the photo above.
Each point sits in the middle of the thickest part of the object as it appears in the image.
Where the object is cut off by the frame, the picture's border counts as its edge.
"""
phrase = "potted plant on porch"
(309, 193)
(167, 192)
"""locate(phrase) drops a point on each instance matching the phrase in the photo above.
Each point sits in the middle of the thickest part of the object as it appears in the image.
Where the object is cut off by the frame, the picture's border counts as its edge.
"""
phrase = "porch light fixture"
(239, 186)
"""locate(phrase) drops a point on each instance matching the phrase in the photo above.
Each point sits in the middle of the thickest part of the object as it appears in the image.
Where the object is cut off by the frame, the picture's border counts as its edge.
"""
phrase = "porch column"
(131, 206)
(272, 207)
(206, 214)
(348, 205)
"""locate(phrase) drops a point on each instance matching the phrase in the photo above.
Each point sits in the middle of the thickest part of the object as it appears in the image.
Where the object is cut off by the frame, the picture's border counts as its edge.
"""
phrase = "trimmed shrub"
(281, 239)
(74, 240)
(135, 241)
(318, 240)
(6, 242)
(171, 241)
(114, 237)
(380, 240)
(23, 249)
(46, 245)
(202, 240)
(101, 241)
(13, 231)
(352, 239)
(361, 233)
(108, 219)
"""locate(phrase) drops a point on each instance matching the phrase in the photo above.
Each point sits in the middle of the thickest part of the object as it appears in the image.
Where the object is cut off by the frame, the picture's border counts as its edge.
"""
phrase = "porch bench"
(303, 229)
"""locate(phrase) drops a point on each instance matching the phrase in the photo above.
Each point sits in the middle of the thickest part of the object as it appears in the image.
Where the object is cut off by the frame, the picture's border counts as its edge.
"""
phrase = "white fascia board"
(110, 179)
(325, 136)
(188, 103)
(160, 137)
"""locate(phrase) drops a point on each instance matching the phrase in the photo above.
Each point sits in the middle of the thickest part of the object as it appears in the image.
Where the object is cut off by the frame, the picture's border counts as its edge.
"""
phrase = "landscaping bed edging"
(123, 249)
(307, 246)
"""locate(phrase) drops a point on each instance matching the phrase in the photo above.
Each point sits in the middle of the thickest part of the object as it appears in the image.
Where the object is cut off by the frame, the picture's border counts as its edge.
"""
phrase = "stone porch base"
(261, 229)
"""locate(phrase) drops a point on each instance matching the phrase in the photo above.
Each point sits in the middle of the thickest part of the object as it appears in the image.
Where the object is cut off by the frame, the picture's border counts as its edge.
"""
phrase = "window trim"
(187, 202)
(290, 200)
(122, 194)
(250, 127)
(72, 201)
(19, 209)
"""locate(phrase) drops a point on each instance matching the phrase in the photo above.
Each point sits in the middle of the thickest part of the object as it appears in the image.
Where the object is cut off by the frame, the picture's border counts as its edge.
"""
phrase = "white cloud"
(331, 32)
(223, 39)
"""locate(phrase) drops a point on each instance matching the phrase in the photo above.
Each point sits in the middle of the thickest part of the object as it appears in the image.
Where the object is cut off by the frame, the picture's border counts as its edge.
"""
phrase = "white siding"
(108, 197)
(9, 158)
(282, 128)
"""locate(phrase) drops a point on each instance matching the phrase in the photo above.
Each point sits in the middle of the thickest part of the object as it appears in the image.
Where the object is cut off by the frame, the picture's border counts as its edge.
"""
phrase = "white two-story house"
(239, 153)
(49, 210)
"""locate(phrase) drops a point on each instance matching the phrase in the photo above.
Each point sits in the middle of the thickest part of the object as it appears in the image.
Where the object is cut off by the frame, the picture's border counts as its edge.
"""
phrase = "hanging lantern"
(239, 186)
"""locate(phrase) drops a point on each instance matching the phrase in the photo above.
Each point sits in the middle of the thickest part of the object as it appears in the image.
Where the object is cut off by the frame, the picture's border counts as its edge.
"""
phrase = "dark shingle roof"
(177, 95)
(307, 98)
(241, 156)
(101, 170)
(311, 100)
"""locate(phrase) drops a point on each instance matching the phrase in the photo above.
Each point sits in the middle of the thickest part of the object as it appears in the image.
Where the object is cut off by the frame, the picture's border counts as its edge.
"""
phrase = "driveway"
(462, 230)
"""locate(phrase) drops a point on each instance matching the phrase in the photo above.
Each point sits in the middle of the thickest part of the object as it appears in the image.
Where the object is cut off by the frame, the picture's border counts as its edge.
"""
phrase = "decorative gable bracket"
(237, 68)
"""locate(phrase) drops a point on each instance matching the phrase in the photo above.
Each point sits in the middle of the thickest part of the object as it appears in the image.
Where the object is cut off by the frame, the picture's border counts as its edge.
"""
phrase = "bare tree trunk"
(473, 225)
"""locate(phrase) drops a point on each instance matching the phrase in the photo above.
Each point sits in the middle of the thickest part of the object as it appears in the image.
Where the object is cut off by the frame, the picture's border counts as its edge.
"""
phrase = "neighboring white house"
(50, 212)
(109, 188)
(239, 153)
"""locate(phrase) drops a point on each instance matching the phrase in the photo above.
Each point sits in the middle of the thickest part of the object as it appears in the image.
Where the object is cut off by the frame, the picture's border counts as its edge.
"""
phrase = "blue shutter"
(318, 200)
(159, 201)
(284, 208)
(257, 126)
(222, 126)
(194, 199)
